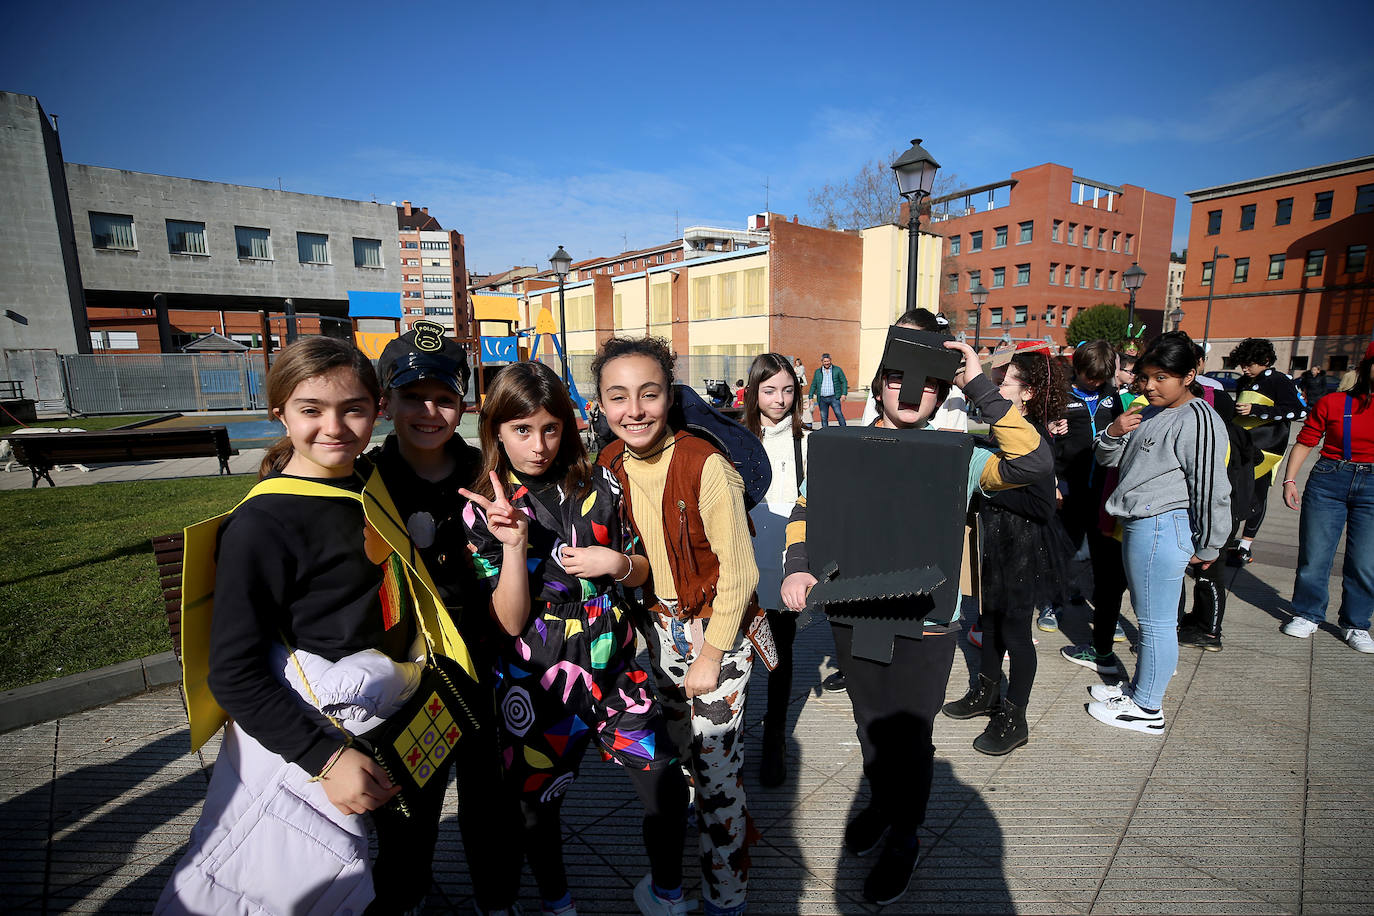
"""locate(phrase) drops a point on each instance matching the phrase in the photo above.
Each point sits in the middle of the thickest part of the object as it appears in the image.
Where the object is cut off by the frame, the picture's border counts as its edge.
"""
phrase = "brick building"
(1291, 264)
(434, 277)
(1046, 244)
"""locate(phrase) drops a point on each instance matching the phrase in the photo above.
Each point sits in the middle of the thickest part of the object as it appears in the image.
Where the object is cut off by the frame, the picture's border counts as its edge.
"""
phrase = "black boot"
(1209, 606)
(773, 768)
(1005, 733)
(979, 701)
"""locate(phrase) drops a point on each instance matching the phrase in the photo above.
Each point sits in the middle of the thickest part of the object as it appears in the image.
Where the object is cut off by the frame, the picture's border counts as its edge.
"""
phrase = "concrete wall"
(153, 199)
(40, 286)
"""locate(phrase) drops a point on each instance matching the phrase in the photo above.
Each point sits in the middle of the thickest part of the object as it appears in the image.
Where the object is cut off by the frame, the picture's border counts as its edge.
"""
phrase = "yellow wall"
(724, 290)
(633, 307)
(883, 291)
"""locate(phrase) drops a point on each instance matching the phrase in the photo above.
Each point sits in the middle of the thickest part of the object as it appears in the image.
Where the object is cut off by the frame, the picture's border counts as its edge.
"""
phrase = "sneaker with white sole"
(1104, 692)
(1087, 656)
(1123, 712)
(651, 904)
(1301, 627)
(1048, 620)
(1359, 640)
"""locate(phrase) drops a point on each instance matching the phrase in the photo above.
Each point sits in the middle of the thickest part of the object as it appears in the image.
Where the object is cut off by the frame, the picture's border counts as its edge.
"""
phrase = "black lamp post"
(561, 261)
(915, 176)
(1176, 316)
(980, 295)
(1132, 279)
(1211, 285)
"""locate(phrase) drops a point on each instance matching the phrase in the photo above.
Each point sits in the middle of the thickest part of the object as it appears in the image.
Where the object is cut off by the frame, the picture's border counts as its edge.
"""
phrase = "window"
(1111, 280)
(185, 237)
(1097, 278)
(367, 253)
(1276, 265)
(1101, 239)
(312, 248)
(975, 241)
(1129, 239)
(975, 277)
(410, 245)
(411, 294)
(1242, 273)
(1355, 257)
(410, 278)
(1087, 236)
(729, 298)
(432, 246)
(1083, 277)
(1001, 241)
(1022, 313)
(1068, 237)
(952, 283)
(971, 317)
(1315, 260)
(701, 297)
(437, 309)
(999, 277)
(1049, 316)
(253, 243)
(1206, 271)
(1247, 217)
(995, 317)
(1283, 212)
(434, 278)
(1321, 207)
(1054, 269)
(1022, 274)
(412, 262)
(755, 292)
(660, 304)
(1054, 230)
(1214, 222)
(1027, 232)
(1364, 198)
(1065, 316)
(618, 311)
(954, 242)
(113, 231)
(1116, 241)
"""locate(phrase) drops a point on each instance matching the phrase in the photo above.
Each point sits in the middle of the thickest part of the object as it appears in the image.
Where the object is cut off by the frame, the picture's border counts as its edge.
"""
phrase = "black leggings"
(784, 626)
(664, 794)
(1010, 632)
(1109, 586)
(1259, 505)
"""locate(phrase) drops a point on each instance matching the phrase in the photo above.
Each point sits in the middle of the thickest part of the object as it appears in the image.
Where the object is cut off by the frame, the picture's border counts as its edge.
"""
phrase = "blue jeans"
(1339, 494)
(831, 402)
(1155, 552)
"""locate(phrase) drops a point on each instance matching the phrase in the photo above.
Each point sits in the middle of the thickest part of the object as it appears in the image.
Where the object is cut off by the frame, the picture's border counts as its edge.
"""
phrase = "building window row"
(116, 232)
(1323, 203)
(1089, 240)
(434, 246)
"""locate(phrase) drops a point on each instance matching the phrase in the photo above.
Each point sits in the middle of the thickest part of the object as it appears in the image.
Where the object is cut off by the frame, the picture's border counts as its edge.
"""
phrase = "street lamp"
(561, 261)
(980, 295)
(1211, 285)
(915, 172)
(1176, 316)
(1132, 279)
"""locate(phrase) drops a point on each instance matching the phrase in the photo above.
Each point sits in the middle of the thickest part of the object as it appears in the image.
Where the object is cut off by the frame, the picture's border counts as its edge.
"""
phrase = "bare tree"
(870, 198)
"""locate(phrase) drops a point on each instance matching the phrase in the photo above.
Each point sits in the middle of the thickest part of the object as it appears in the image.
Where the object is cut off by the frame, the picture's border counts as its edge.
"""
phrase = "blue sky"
(596, 126)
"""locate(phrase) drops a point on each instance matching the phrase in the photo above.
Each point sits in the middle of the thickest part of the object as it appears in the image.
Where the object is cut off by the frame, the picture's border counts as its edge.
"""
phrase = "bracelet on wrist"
(329, 764)
(1293, 482)
(630, 568)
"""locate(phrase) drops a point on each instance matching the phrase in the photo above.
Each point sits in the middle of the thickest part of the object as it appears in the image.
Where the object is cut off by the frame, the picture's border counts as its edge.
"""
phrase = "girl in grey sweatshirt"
(1173, 501)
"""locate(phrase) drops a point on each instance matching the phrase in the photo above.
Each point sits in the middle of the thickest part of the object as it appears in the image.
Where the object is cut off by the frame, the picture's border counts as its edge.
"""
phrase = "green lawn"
(79, 587)
(80, 423)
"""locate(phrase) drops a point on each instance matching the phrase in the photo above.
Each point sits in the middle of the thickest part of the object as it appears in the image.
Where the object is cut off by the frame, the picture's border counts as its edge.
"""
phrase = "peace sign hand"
(506, 523)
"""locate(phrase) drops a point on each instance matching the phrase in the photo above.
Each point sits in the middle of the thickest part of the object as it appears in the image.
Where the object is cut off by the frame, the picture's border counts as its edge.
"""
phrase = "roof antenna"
(765, 193)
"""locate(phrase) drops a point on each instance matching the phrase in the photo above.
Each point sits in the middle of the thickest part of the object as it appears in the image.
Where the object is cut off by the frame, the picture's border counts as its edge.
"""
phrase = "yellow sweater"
(721, 503)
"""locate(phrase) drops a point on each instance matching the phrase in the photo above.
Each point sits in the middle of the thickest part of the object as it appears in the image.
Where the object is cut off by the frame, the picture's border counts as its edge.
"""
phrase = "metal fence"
(690, 370)
(164, 381)
(40, 374)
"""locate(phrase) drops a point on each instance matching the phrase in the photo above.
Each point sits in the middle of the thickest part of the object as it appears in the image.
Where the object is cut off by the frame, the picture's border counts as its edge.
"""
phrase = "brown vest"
(696, 569)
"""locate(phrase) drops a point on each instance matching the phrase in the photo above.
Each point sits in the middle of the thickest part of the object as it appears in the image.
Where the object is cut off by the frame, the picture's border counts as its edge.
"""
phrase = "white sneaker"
(1359, 640)
(1302, 628)
(651, 904)
(1104, 692)
(1122, 712)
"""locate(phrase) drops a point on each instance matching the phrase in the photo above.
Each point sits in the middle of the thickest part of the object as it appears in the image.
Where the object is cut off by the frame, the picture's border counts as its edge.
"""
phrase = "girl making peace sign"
(552, 552)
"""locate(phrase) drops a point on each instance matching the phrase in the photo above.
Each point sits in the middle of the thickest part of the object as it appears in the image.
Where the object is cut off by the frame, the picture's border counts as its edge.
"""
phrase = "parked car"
(1227, 377)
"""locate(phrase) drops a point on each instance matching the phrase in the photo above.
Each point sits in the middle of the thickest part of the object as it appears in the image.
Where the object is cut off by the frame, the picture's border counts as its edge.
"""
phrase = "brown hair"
(1046, 376)
(656, 348)
(307, 358)
(764, 367)
(1095, 360)
(521, 390)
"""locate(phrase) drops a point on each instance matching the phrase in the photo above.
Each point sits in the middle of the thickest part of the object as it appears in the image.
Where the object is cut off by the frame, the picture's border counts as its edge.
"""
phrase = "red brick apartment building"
(434, 276)
(1046, 244)
(1292, 264)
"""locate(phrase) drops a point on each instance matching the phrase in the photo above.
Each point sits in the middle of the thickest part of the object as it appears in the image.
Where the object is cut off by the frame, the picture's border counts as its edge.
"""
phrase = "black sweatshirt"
(293, 567)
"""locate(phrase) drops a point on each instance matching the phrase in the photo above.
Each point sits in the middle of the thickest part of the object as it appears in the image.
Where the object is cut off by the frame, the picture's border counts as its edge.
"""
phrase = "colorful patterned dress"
(570, 676)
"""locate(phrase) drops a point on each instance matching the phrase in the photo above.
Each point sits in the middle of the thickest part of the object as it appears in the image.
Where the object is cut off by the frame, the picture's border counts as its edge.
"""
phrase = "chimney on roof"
(425, 210)
(406, 204)
(794, 217)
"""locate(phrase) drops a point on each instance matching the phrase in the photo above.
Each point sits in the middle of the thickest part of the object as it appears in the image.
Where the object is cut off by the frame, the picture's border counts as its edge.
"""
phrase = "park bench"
(167, 551)
(43, 451)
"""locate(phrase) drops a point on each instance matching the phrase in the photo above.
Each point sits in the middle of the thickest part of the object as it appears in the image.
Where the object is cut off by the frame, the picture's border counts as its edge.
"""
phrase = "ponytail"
(278, 455)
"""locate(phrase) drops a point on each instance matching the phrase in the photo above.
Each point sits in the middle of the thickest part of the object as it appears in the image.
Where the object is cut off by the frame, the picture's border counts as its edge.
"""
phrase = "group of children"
(550, 563)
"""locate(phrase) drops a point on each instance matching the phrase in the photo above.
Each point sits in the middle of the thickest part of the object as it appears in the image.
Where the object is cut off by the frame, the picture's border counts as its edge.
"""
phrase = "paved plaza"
(1256, 800)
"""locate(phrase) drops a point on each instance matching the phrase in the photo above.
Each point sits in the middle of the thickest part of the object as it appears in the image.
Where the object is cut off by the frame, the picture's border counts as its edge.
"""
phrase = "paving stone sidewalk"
(1256, 800)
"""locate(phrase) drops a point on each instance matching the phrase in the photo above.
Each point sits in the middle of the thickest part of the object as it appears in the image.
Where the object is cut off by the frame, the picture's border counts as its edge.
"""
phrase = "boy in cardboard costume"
(893, 573)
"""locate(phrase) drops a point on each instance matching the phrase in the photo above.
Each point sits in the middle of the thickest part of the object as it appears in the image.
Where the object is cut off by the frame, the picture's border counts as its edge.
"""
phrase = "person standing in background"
(829, 387)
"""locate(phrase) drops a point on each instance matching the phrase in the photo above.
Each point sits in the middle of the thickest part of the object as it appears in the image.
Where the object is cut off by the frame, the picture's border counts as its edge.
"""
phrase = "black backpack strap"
(796, 450)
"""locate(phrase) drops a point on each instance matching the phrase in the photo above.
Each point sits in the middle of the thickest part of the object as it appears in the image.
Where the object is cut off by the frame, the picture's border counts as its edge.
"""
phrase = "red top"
(1328, 419)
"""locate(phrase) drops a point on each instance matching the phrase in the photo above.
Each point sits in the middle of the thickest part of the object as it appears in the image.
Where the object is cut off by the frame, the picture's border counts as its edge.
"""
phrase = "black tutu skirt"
(1025, 563)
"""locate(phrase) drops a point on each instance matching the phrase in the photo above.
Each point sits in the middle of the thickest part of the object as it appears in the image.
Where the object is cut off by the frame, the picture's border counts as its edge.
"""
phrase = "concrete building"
(1046, 244)
(434, 277)
(1173, 300)
(1285, 257)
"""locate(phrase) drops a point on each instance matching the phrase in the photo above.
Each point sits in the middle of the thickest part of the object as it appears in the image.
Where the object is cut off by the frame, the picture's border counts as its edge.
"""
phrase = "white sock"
(1245, 543)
